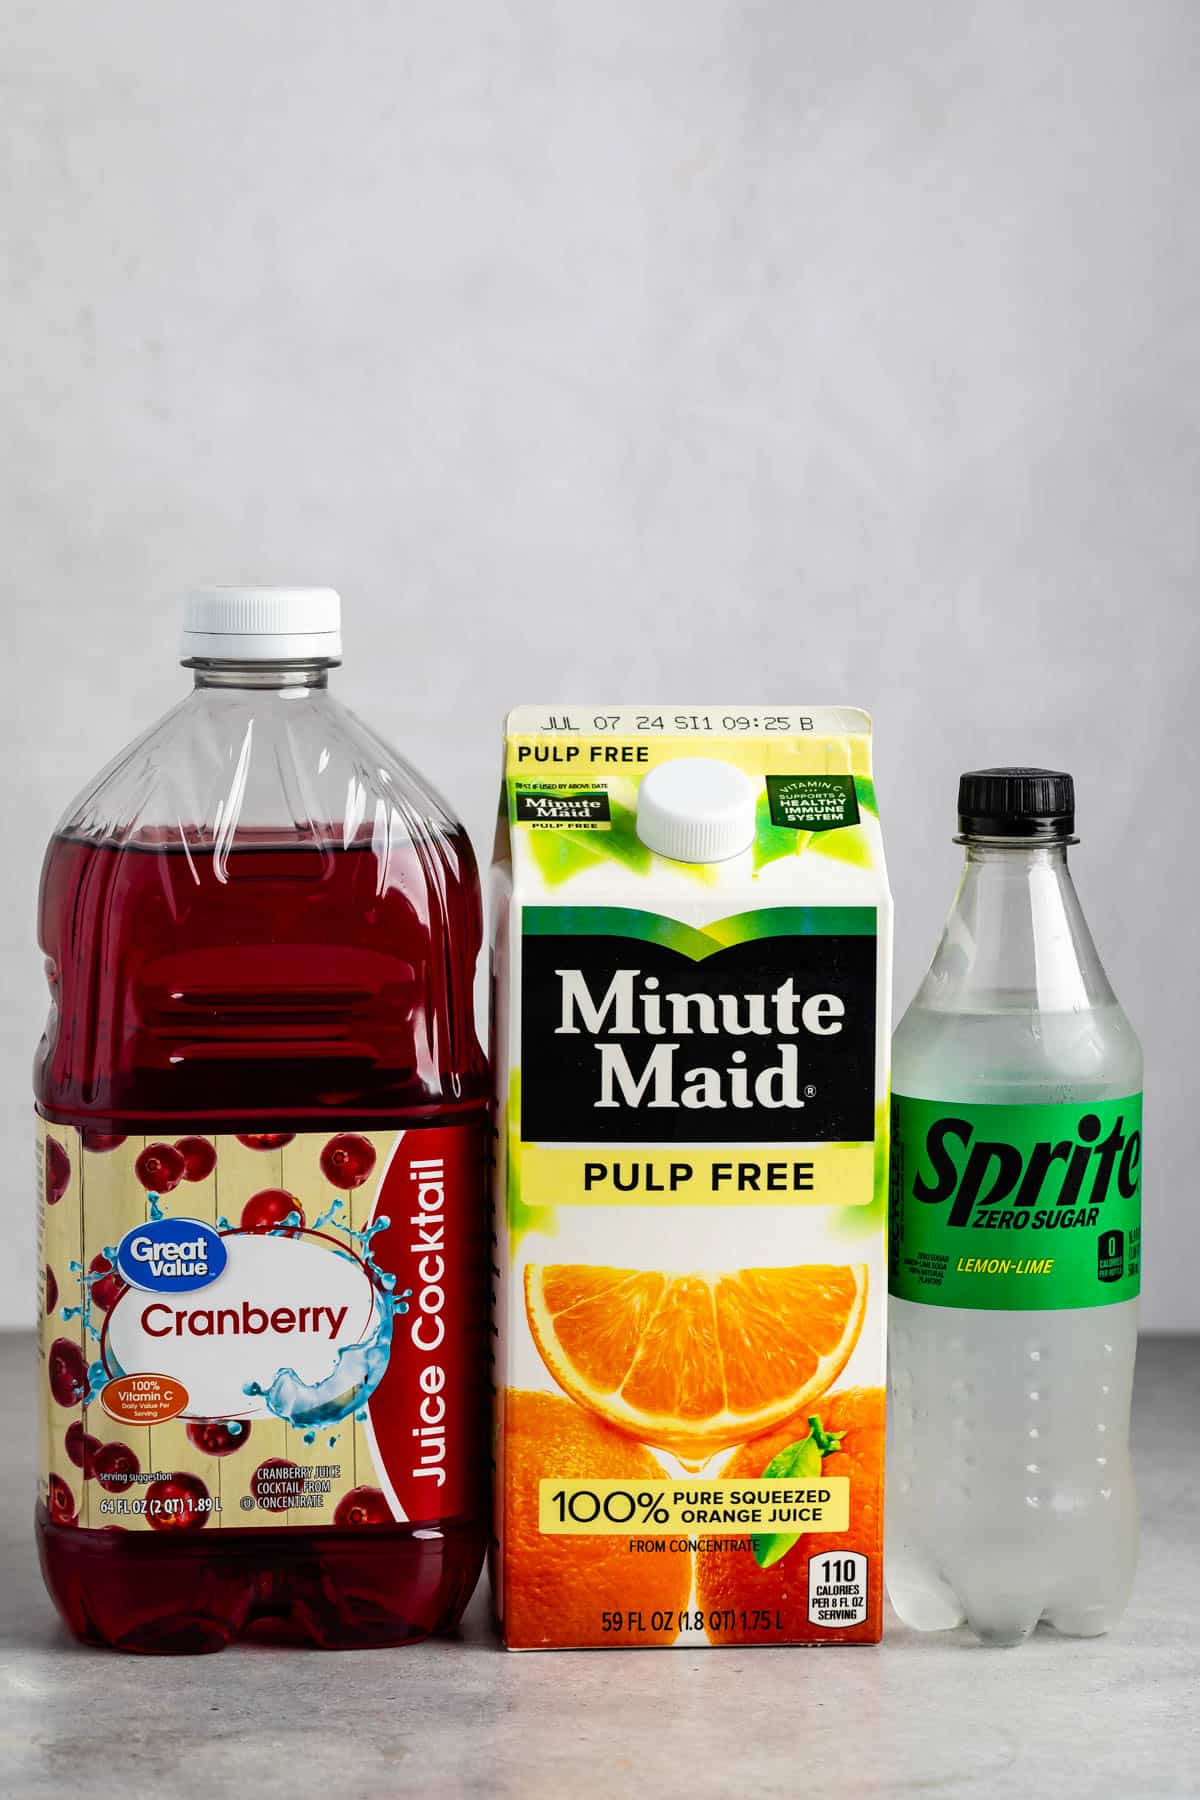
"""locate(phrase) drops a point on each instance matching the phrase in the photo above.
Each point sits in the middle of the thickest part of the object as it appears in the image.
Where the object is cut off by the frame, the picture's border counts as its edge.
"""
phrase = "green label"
(1016, 1208)
(812, 802)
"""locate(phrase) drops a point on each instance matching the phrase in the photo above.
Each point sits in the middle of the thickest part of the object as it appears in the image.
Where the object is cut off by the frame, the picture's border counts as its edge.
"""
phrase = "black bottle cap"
(1035, 804)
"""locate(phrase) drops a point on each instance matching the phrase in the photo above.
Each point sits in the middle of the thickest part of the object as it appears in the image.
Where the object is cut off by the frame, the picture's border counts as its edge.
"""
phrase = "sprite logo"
(994, 1183)
(1061, 1180)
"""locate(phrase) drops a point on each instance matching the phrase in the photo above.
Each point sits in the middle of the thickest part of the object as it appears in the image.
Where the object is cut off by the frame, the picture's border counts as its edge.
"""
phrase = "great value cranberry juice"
(262, 1138)
(301, 980)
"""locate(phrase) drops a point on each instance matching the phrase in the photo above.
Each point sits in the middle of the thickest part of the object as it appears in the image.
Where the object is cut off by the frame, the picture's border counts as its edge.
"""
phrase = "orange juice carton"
(691, 985)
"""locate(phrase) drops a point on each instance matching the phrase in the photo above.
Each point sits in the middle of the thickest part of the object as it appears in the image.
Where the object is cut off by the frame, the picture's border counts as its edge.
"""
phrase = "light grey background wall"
(744, 350)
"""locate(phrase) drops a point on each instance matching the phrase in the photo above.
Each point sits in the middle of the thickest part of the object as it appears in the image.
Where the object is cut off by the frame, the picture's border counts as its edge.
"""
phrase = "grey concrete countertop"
(1115, 1716)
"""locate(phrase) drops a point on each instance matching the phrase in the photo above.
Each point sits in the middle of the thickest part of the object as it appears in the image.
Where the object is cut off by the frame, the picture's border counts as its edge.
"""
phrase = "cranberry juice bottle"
(262, 1134)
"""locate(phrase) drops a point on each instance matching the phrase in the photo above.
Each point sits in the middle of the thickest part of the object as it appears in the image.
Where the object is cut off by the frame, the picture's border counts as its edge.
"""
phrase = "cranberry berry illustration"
(347, 1160)
(81, 1447)
(178, 1503)
(115, 1466)
(362, 1506)
(58, 1171)
(60, 1502)
(219, 1437)
(51, 1289)
(160, 1168)
(199, 1157)
(277, 1484)
(270, 1208)
(265, 1140)
(107, 1287)
(67, 1372)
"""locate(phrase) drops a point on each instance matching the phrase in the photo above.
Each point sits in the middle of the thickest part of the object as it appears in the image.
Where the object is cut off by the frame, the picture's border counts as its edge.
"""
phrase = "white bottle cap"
(696, 809)
(249, 624)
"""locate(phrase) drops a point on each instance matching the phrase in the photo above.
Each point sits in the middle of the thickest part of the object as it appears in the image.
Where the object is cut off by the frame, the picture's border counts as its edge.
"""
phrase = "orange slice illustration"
(696, 1362)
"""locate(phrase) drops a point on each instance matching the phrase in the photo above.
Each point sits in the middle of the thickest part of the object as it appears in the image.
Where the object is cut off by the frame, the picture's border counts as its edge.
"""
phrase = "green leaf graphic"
(699, 942)
(864, 787)
(849, 845)
(562, 853)
(773, 841)
(800, 1461)
(846, 843)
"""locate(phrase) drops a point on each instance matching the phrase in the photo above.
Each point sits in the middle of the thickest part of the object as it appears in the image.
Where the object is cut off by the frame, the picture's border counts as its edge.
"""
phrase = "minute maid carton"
(691, 974)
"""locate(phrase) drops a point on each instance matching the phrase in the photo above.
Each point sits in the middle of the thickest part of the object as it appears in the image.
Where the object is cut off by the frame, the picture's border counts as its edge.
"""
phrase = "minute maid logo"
(578, 808)
(171, 1256)
(633, 1006)
(640, 1028)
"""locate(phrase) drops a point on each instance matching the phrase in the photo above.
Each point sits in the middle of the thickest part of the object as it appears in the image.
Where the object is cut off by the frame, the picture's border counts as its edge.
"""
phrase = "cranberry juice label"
(269, 1330)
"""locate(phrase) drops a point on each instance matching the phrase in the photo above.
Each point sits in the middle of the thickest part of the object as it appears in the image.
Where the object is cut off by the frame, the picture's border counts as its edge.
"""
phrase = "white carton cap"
(254, 624)
(696, 809)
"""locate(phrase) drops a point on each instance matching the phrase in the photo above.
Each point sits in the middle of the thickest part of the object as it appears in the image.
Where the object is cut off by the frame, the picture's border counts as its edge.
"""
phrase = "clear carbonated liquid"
(1010, 1484)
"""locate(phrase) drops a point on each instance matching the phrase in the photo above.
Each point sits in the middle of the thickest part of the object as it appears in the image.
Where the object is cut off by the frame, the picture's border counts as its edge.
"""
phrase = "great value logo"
(171, 1256)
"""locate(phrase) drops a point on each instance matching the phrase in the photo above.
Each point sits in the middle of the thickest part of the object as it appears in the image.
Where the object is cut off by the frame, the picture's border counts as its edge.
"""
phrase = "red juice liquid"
(283, 985)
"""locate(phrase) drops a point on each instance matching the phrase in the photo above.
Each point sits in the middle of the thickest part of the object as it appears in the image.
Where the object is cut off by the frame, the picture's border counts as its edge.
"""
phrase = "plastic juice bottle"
(1015, 1246)
(261, 1127)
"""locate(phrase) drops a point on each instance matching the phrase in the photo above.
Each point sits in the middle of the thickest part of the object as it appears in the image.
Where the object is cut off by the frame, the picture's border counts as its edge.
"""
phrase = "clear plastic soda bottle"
(262, 1126)
(1015, 1247)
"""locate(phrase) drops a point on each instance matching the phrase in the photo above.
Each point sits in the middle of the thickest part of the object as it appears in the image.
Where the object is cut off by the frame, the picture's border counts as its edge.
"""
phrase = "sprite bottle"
(1015, 1246)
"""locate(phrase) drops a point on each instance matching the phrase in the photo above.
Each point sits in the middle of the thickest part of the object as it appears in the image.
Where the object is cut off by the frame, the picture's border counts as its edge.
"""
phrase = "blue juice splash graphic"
(84, 1310)
(98, 1372)
(359, 1368)
(330, 1217)
(101, 1372)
